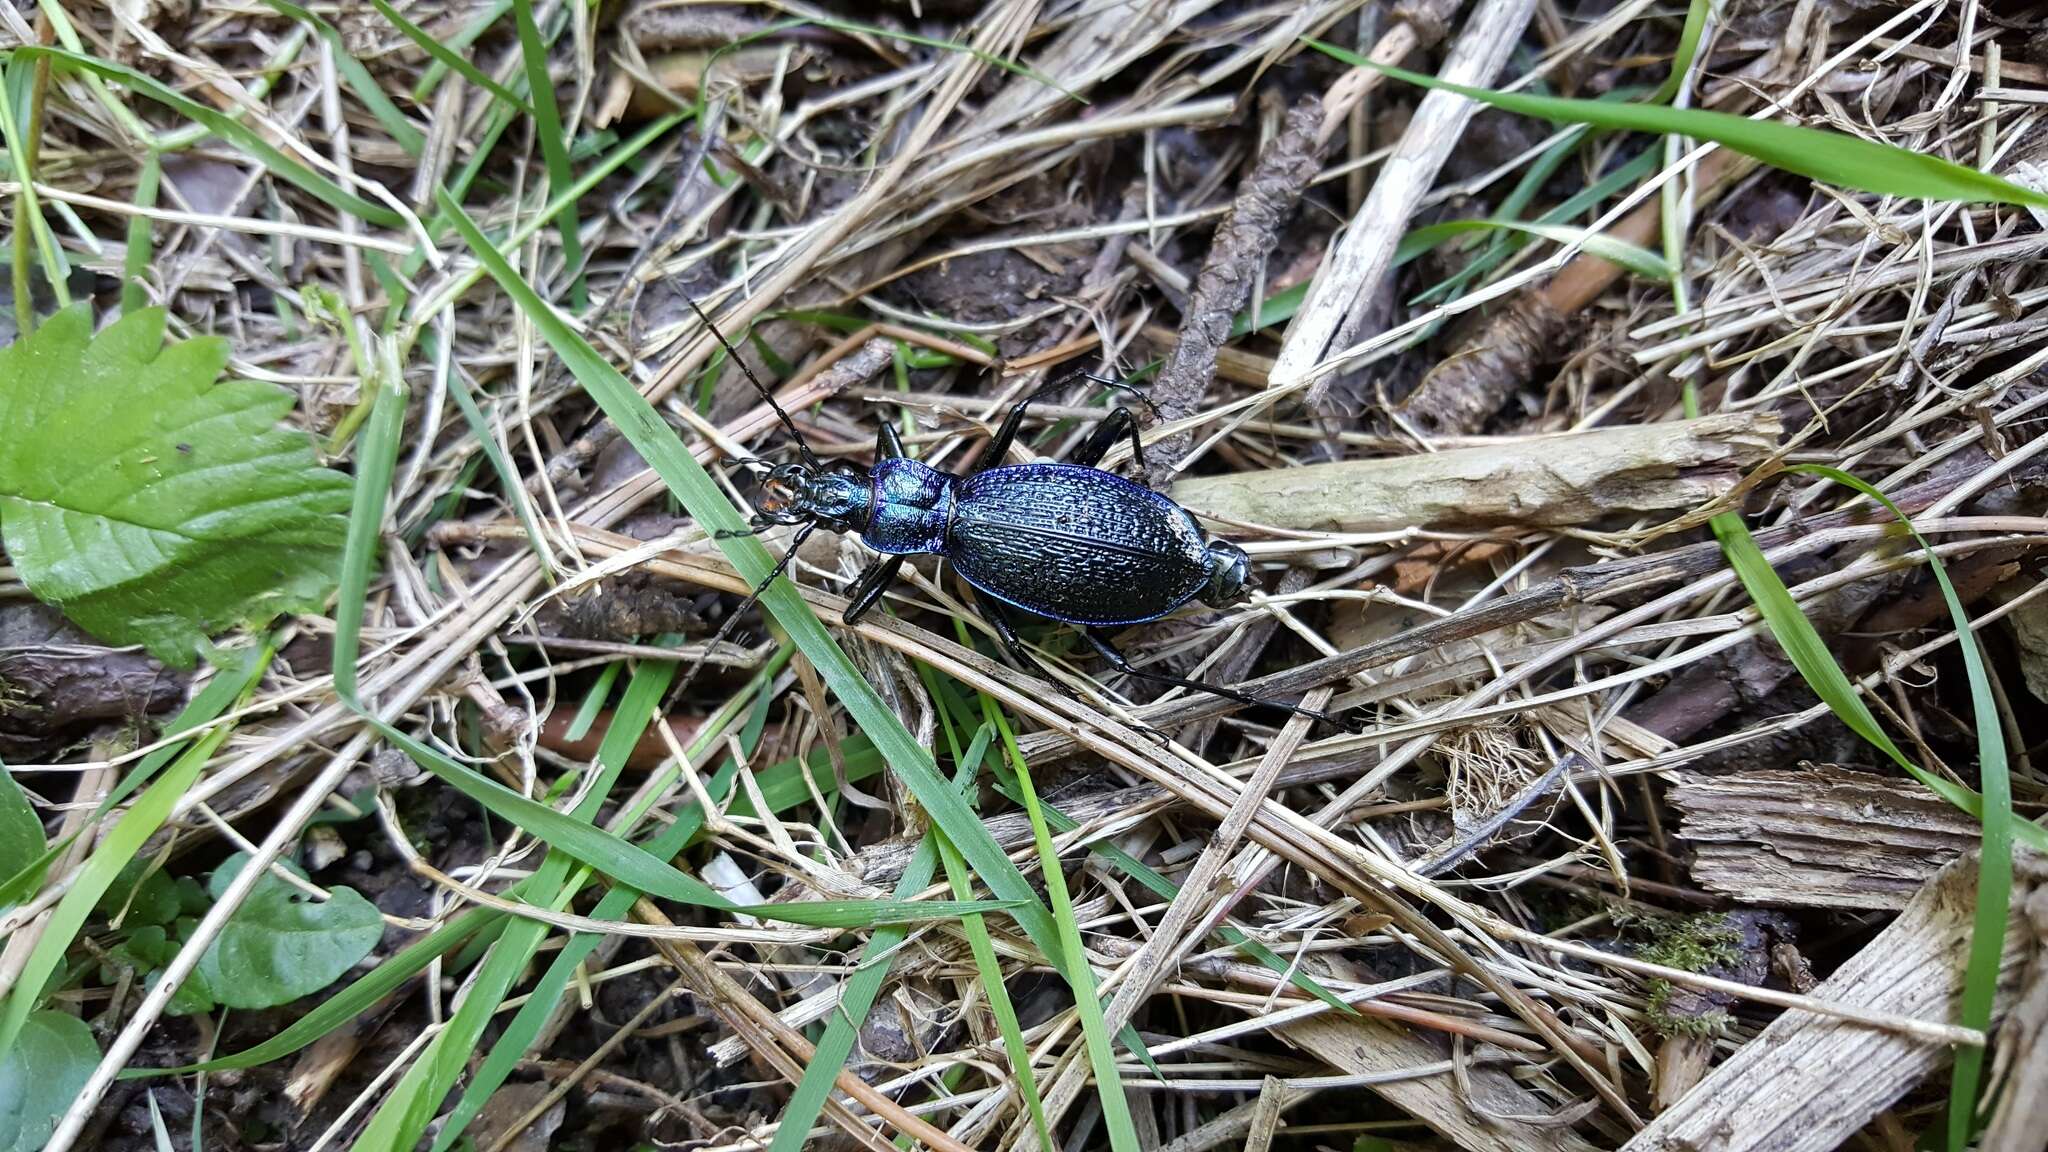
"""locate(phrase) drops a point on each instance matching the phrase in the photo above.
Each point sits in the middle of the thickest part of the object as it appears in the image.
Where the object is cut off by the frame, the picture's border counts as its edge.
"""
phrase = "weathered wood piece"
(1808, 1083)
(1551, 481)
(1816, 837)
(2023, 1048)
(1362, 1046)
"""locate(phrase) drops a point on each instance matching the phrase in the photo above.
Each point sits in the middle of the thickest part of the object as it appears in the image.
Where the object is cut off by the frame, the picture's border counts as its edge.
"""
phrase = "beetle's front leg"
(888, 445)
(869, 588)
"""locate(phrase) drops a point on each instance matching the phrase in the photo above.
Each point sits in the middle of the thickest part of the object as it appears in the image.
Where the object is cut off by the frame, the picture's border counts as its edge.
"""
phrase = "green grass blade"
(635, 866)
(518, 1035)
(593, 702)
(1157, 883)
(1636, 259)
(780, 784)
(219, 692)
(954, 707)
(1994, 869)
(359, 80)
(657, 443)
(509, 481)
(635, 712)
(547, 124)
(28, 214)
(479, 24)
(1109, 1085)
(986, 965)
(1681, 58)
(1816, 665)
(449, 58)
(990, 970)
(856, 998)
(141, 238)
(1573, 206)
(1830, 157)
(227, 128)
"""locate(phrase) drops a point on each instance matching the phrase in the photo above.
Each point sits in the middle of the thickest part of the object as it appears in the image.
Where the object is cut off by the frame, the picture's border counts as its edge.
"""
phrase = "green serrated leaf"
(151, 501)
(50, 1062)
(280, 946)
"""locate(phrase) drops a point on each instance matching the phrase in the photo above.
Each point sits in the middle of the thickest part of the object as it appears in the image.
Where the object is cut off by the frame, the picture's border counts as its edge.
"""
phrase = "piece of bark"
(1462, 390)
(1817, 837)
(1807, 1083)
(2023, 1044)
(1359, 1046)
(1264, 202)
(1547, 481)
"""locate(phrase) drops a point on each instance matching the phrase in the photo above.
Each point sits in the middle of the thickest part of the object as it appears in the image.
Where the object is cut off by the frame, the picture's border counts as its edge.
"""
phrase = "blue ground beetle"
(1065, 541)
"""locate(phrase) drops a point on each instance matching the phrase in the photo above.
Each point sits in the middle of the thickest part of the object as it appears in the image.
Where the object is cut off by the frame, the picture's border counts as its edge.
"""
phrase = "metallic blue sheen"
(1060, 540)
(912, 506)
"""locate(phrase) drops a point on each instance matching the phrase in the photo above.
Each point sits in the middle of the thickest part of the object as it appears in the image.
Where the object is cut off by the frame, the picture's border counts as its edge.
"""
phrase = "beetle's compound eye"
(1229, 569)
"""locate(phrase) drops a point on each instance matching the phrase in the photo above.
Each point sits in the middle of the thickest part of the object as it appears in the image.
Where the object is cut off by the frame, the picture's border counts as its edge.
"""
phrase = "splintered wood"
(1819, 837)
(1807, 1083)
(1492, 1113)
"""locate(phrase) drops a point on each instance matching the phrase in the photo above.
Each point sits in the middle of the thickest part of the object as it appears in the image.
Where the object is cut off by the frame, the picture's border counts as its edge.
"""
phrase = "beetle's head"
(798, 494)
(1229, 569)
(782, 494)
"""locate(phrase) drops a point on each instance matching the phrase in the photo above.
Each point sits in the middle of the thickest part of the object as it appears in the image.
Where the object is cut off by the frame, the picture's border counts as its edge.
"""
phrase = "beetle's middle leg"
(1006, 435)
(867, 590)
(1118, 661)
(1120, 424)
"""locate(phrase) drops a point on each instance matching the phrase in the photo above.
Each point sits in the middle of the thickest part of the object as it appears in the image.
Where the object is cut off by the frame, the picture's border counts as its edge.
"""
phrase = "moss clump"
(13, 698)
(1692, 944)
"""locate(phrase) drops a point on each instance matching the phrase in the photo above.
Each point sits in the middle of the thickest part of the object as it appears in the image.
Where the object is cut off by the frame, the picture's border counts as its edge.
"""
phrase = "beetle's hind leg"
(1120, 424)
(1118, 661)
(998, 616)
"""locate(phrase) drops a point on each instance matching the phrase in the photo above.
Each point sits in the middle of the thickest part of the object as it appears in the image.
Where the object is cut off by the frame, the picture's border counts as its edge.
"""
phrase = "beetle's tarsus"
(1006, 631)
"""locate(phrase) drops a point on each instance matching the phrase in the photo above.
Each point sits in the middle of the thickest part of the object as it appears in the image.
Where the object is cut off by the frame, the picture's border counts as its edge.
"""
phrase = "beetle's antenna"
(803, 446)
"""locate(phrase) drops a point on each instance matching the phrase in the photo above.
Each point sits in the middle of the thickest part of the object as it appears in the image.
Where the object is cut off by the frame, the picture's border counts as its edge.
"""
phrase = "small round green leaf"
(50, 1062)
(281, 945)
